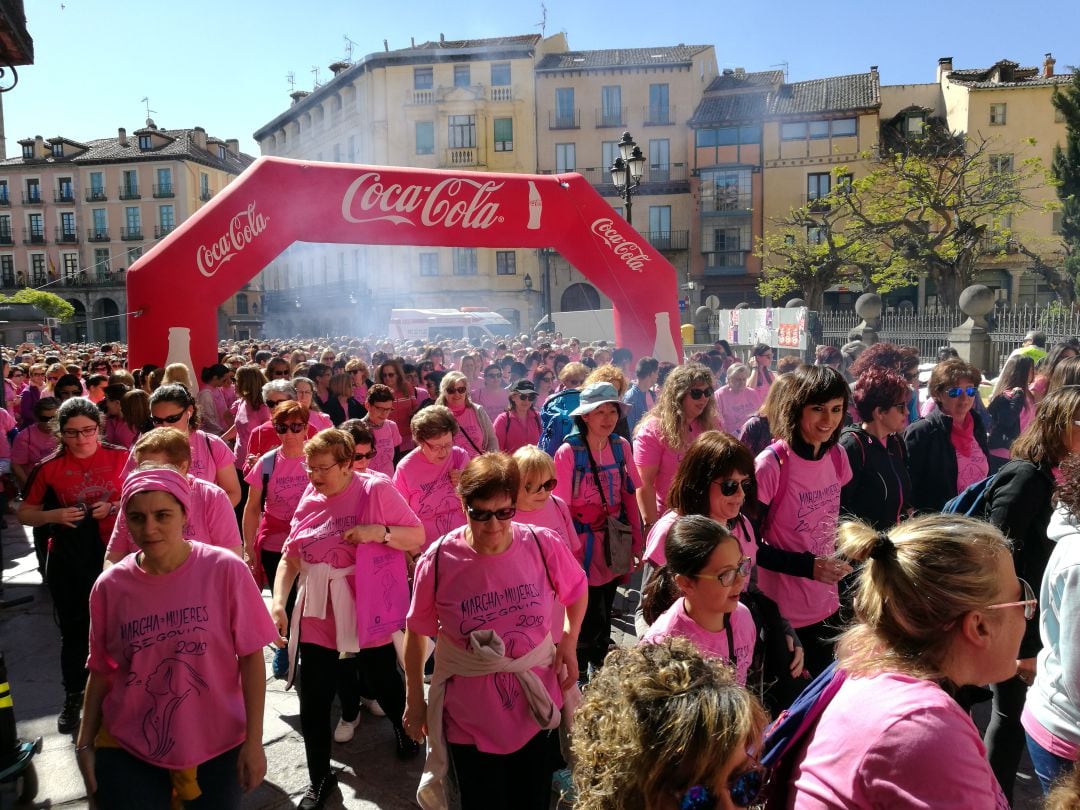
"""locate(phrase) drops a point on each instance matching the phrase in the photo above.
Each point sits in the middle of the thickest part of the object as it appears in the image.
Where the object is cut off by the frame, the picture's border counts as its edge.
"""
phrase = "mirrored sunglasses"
(970, 391)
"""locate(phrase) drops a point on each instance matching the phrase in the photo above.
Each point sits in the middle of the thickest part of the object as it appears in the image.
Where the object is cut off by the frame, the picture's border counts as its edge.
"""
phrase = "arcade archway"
(174, 290)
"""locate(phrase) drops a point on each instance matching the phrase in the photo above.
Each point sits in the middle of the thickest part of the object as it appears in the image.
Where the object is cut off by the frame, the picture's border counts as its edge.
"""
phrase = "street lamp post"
(627, 170)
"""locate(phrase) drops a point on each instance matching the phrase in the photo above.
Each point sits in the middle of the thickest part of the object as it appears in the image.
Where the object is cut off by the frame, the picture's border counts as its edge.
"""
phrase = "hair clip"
(698, 797)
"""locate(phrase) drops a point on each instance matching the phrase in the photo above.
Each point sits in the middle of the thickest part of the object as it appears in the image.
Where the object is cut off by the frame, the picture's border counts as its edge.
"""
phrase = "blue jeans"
(125, 781)
(1048, 767)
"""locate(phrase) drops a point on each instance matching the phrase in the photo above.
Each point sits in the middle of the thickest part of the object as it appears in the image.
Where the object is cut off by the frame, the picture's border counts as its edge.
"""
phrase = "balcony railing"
(659, 114)
(503, 93)
(98, 277)
(669, 240)
(64, 195)
(6, 238)
(726, 262)
(131, 234)
(205, 195)
(96, 195)
(163, 230)
(466, 156)
(163, 190)
(610, 118)
(32, 197)
(424, 97)
(130, 193)
(5, 199)
(97, 234)
(564, 119)
(32, 236)
(601, 175)
(8, 282)
(66, 235)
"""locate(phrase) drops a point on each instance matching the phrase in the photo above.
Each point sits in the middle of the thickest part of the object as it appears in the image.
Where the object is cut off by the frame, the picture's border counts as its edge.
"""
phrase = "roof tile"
(620, 57)
(852, 92)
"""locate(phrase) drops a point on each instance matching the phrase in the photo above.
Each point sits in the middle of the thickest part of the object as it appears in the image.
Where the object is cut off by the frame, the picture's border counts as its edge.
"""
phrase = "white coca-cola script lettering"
(455, 202)
(243, 228)
(624, 249)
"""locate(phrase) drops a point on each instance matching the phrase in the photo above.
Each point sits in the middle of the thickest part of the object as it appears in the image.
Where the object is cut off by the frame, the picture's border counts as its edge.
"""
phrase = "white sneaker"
(372, 706)
(345, 730)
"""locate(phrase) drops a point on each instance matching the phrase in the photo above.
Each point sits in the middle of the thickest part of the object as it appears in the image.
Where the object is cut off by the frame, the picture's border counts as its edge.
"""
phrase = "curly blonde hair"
(668, 410)
(658, 719)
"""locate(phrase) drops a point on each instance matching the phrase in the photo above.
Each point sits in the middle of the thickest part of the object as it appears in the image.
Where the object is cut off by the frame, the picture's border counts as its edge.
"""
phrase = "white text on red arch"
(453, 202)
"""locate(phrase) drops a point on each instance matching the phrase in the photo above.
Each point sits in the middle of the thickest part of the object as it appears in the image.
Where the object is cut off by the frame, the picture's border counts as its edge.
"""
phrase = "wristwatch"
(386, 537)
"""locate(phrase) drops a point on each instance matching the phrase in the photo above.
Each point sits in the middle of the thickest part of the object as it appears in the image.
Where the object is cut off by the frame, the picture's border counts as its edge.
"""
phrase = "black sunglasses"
(281, 372)
(730, 486)
(369, 455)
(291, 427)
(273, 403)
(527, 397)
(484, 515)
(698, 393)
(167, 420)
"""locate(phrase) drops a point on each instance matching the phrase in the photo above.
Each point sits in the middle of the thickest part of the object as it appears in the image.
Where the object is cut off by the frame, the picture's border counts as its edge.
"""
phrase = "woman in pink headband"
(177, 676)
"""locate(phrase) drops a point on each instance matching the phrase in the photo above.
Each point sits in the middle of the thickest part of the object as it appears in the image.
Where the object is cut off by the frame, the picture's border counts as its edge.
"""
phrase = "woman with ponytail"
(938, 607)
(695, 595)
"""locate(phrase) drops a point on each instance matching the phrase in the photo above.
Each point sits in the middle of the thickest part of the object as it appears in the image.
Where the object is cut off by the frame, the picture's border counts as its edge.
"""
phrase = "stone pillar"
(971, 339)
(867, 307)
(1015, 275)
(703, 318)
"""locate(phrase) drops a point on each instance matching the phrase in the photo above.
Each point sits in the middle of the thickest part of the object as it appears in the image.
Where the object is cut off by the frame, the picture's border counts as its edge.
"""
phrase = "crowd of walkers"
(437, 533)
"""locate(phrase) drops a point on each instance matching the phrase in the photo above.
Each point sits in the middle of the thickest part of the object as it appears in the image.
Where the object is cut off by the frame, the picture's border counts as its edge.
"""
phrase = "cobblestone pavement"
(371, 777)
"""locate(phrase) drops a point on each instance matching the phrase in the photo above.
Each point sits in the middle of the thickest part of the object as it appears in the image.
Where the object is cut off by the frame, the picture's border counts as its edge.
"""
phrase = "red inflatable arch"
(175, 289)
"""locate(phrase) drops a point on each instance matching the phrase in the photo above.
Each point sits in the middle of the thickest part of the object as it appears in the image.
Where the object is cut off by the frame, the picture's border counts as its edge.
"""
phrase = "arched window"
(578, 297)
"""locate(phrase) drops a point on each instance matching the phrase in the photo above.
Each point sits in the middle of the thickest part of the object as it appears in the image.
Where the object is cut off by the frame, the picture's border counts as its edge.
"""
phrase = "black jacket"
(1019, 503)
(932, 459)
(1004, 425)
(880, 485)
(337, 414)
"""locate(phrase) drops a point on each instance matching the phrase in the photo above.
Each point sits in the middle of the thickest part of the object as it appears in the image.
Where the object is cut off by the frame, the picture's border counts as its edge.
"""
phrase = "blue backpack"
(972, 501)
(555, 420)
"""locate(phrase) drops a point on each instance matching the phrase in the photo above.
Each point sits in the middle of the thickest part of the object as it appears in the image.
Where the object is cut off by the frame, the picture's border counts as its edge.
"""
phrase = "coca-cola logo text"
(243, 228)
(625, 250)
(455, 202)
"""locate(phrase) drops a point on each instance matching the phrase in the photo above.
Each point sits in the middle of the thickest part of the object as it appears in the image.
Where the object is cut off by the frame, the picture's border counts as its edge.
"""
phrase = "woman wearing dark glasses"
(947, 448)
(939, 607)
(339, 510)
(663, 726)
(476, 434)
(519, 424)
(486, 591)
(685, 410)
(211, 459)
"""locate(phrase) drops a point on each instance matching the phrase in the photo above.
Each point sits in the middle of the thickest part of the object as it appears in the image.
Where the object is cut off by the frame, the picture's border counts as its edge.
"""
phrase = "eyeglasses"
(527, 397)
(168, 420)
(74, 433)
(970, 391)
(698, 393)
(1029, 602)
(730, 486)
(461, 389)
(381, 408)
(280, 372)
(484, 515)
(369, 455)
(15, 374)
(547, 379)
(320, 470)
(493, 376)
(438, 448)
(900, 406)
(37, 374)
(547, 486)
(64, 393)
(727, 578)
(290, 427)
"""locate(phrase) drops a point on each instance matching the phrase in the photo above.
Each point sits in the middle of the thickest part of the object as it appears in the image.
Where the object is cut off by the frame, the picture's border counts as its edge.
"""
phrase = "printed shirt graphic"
(803, 519)
(427, 489)
(81, 481)
(211, 521)
(554, 515)
(208, 455)
(169, 645)
(317, 529)
(387, 438)
(676, 623)
(510, 594)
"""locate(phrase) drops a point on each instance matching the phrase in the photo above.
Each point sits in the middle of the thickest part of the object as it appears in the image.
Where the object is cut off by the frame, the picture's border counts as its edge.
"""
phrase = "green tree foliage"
(1065, 167)
(52, 305)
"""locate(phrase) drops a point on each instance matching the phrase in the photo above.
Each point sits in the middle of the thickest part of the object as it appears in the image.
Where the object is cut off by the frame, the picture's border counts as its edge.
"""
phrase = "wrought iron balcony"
(205, 195)
(669, 240)
(564, 119)
(33, 236)
(6, 238)
(64, 195)
(163, 190)
(726, 262)
(96, 195)
(130, 193)
(97, 234)
(66, 235)
(131, 234)
(32, 197)
(659, 114)
(610, 117)
(163, 230)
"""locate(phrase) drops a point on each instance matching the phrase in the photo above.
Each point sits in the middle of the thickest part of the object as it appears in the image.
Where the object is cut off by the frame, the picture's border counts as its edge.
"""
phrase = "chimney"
(412, 42)
(338, 67)
(121, 136)
(944, 65)
(1048, 66)
(233, 145)
(198, 135)
(740, 73)
(386, 45)
(298, 95)
(873, 68)
(442, 39)
(40, 150)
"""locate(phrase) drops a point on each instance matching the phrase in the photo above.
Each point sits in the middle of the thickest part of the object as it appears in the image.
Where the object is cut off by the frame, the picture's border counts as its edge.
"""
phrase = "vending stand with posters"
(174, 290)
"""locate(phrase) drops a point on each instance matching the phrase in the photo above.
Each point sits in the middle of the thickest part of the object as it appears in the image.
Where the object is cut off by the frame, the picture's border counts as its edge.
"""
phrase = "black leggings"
(1005, 740)
(595, 633)
(270, 561)
(818, 641)
(74, 564)
(521, 779)
(318, 679)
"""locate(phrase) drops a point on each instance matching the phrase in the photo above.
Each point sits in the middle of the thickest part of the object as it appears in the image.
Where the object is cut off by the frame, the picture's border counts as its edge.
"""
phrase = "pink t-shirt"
(803, 519)
(426, 487)
(891, 740)
(31, 445)
(246, 420)
(586, 505)
(513, 432)
(316, 536)
(652, 450)
(387, 438)
(7, 422)
(1046, 739)
(971, 463)
(208, 455)
(510, 594)
(555, 516)
(494, 402)
(169, 645)
(119, 432)
(654, 543)
(211, 521)
(469, 426)
(676, 623)
(320, 420)
(736, 407)
(286, 485)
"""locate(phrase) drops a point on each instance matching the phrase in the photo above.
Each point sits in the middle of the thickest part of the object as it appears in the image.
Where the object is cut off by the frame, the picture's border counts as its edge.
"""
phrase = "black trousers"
(1004, 738)
(519, 780)
(592, 644)
(73, 565)
(318, 678)
(819, 641)
(270, 561)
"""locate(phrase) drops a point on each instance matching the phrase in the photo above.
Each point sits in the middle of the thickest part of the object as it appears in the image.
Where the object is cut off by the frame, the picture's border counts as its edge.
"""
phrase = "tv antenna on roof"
(146, 100)
(785, 66)
(315, 73)
(349, 44)
(290, 77)
(542, 25)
